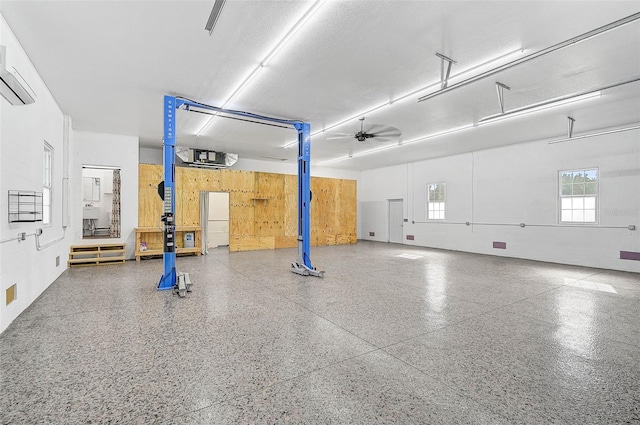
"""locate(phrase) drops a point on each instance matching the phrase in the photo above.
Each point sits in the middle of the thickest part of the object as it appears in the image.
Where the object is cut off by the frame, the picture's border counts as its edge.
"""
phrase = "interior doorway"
(396, 220)
(101, 189)
(214, 216)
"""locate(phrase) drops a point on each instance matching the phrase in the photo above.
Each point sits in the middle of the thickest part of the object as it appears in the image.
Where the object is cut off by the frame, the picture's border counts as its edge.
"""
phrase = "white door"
(395, 220)
(218, 220)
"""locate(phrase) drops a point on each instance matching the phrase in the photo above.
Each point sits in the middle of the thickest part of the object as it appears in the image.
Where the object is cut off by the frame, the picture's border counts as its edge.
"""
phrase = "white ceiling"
(109, 63)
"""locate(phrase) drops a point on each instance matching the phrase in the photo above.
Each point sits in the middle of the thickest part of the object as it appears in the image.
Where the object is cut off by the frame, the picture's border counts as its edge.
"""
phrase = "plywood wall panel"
(346, 215)
(240, 185)
(269, 204)
(286, 241)
(150, 205)
(191, 182)
(255, 223)
(290, 205)
(323, 209)
(247, 243)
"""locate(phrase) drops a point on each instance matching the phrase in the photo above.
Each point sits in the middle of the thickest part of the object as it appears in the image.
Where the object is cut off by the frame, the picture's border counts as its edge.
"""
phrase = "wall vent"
(500, 245)
(372, 234)
(629, 255)
(410, 237)
(58, 261)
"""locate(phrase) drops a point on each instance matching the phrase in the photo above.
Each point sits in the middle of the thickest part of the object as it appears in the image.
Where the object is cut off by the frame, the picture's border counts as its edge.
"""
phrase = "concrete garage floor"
(444, 338)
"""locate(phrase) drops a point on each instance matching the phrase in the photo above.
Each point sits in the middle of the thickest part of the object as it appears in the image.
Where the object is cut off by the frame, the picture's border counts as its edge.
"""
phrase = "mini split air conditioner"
(12, 86)
(206, 158)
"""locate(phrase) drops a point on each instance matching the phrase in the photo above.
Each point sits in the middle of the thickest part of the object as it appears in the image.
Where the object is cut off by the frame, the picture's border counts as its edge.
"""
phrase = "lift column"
(168, 279)
(303, 265)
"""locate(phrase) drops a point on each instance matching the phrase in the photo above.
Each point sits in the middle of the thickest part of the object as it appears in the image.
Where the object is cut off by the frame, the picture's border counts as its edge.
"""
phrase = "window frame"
(443, 210)
(560, 197)
(47, 184)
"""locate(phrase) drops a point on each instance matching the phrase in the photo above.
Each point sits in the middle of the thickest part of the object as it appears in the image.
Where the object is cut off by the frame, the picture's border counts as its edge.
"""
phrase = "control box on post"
(169, 233)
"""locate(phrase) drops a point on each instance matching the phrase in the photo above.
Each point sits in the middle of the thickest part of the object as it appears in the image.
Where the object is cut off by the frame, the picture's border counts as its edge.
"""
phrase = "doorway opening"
(101, 192)
(396, 220)
(214, 216)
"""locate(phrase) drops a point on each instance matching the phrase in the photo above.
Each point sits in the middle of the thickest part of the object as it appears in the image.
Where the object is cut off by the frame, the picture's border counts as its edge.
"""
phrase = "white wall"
(500, 188)
(113, 151)
(150, 156)
(374, 191)
(23, 131)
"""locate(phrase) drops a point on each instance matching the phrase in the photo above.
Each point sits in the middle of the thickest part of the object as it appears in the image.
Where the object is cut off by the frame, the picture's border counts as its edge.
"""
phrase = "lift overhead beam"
(302, 265)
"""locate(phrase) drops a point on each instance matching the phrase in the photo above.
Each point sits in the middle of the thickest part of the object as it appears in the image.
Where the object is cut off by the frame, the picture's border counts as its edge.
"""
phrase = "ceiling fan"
(374, 132)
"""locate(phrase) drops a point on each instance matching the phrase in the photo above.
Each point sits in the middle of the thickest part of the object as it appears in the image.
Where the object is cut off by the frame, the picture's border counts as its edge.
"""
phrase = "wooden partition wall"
(263, 206)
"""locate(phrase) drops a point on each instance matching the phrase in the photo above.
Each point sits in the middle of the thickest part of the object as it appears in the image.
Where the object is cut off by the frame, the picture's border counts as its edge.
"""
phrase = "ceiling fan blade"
(373, 128)
(390, 134)
(387, 132)
(337, 136)
(382, 139)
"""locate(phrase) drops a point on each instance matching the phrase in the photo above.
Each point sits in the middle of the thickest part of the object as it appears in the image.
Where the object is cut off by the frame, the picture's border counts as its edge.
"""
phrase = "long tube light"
(408, 142)
(307, 15)
(501, 58)
(268, 58)
(540, 106)
(441, 133)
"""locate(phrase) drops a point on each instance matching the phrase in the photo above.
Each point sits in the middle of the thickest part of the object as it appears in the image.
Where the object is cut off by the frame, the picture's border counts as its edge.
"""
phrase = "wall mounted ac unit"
(206, 158)
(12, 86)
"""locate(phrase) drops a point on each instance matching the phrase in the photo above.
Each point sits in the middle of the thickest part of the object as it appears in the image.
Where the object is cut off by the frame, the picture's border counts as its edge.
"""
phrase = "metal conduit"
(600, 133)
(581, 226)
(555, 47)
(556, 100)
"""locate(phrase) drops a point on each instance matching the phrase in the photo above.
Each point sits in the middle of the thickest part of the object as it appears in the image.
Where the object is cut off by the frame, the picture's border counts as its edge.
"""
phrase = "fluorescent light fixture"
(242, 85)
(272, 53)
(233, 96)
(331, 161)
(215, 14)
(442, 133)
(308, 14)
(378, 149)
(502, 58)
(362, 114)
(408, 142)
(541, 106)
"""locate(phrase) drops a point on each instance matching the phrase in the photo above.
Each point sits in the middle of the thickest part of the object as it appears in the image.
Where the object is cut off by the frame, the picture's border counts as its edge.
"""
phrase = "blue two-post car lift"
(173, 280)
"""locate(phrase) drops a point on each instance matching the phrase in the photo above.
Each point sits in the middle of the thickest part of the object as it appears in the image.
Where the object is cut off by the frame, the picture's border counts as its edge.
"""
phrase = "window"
(435, 201)
(578, 196)
(46, 183)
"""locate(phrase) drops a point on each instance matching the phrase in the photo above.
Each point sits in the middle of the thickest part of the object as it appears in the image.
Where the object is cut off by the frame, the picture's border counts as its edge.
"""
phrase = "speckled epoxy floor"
(446, 338)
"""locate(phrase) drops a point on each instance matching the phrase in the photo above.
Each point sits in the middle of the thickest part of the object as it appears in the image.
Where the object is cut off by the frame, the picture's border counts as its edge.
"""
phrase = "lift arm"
(171, 104)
